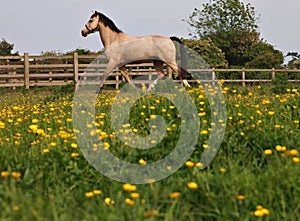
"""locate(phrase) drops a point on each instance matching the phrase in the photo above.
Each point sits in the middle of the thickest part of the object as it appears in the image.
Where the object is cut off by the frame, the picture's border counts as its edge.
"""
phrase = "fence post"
(117, 82)
(244, 77)
(273, 74)
(213, 76)
(75, 67)
(26, 70)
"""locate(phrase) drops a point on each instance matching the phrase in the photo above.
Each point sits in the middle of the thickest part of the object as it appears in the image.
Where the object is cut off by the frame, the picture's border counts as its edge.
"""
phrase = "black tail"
(183, 58)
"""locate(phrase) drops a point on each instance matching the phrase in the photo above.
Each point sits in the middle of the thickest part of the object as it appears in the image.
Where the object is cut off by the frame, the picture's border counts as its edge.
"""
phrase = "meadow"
(254, 176)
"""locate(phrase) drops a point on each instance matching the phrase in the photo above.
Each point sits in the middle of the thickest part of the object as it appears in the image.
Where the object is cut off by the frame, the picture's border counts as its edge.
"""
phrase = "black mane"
(107, 22)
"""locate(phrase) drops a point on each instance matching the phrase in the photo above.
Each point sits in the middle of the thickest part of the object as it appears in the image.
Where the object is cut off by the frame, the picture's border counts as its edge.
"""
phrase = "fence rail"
(28, 71)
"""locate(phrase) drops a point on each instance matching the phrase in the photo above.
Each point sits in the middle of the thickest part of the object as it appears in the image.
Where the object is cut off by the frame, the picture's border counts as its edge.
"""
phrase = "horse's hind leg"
(125, 74)
(177, 70)
(158, 65)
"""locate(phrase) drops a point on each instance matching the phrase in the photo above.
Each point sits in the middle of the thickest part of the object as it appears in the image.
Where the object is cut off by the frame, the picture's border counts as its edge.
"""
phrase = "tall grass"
(255, 175)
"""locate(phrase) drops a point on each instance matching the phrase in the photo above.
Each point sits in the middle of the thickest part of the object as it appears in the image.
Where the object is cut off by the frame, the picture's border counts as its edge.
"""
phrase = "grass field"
(255, 175)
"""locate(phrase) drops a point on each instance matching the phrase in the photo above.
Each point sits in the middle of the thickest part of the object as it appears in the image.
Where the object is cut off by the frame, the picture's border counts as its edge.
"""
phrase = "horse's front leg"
(109, 69)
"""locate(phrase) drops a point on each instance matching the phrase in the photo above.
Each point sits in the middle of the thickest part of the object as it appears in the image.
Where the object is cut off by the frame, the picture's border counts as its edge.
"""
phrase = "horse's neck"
(110, 38)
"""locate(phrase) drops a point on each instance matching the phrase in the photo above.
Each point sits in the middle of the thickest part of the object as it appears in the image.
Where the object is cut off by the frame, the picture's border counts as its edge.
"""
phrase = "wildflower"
(150, 213)
(52, 144)
(189, 164)
(74, 145)
(199, 165)
(16, 175)
(108, 201)
(97, 192)
(142, 162)
(33, 128)
(16, 208)
(240, 197)
(201, 114)
(271, 113)
(296, 159)
(40, 132)
(192, 185)
(265, 211)
(129, 187)
(279, 148)
(34, 121)
(268, 152)
(135, 195)
(174, 195)
(129, 202)
(2, 125)
(265, 102)
(222, 170)
(46, 150)
(261, 211)
(4, 174)
(294, 152)
(204, 132)
(74, 155)
(276, 126)
(89, 194)
(258, 213)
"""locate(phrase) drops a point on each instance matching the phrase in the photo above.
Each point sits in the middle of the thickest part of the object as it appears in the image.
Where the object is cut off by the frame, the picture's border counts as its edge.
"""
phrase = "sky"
(34, 26)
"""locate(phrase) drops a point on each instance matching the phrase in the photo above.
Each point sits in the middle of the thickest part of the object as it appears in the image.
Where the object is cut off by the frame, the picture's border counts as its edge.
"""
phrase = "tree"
(230, 24)
(220, 18)
(295, 62)
(232, 27)
(6, 48)
(264, 55)
(82, 51)
(208, 51)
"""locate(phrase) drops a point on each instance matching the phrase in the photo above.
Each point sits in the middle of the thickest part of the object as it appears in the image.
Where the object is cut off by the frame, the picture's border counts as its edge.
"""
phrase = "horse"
(121, 49)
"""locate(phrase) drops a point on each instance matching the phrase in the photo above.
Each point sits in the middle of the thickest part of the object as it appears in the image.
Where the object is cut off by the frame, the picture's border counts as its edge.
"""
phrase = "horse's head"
(92, 25)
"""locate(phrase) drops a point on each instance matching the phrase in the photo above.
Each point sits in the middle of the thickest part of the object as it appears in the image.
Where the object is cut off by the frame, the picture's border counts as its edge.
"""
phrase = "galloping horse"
(121, 49)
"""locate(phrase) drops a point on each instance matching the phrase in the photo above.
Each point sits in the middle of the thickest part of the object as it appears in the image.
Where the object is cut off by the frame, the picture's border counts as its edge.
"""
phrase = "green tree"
(295, 61)
(264, 55)
(230, 24)
(208, 51)
(6, 48)
(82, 51)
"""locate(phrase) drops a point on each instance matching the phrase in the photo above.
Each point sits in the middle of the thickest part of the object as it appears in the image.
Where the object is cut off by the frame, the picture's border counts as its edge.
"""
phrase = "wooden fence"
(28, 71)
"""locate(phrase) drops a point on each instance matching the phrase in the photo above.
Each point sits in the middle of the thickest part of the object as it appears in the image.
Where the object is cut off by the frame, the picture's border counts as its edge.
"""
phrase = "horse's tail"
(183, 58)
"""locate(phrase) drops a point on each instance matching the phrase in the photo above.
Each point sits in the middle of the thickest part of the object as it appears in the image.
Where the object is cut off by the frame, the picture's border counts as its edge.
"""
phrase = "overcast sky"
(37, 25)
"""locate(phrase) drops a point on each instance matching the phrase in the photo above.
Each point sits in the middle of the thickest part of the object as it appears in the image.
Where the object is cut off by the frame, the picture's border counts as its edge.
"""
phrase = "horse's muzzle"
(83, 33)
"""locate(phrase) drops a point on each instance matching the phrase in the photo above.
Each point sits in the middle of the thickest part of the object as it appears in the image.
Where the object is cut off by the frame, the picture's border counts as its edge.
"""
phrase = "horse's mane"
(107, 22)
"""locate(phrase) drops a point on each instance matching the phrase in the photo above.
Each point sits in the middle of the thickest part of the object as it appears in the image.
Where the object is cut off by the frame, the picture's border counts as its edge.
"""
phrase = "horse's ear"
(96, 12)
